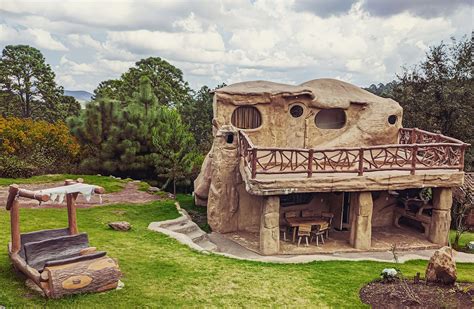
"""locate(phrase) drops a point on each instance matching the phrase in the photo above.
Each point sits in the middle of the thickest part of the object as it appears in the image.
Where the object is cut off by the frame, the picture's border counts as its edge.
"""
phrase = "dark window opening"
(334, 118)
(230, 138)
(392, 119)
(296, 111)
(246, 117)
(295, 199)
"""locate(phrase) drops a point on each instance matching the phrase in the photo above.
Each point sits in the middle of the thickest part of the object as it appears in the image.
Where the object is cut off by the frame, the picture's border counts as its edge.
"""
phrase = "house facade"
(322, 146)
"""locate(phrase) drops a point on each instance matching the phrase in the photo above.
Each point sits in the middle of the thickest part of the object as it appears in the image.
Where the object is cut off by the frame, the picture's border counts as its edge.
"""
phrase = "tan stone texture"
(361, 221)
(442, 198)
(442, 267)
(439, 227)
(269, 227)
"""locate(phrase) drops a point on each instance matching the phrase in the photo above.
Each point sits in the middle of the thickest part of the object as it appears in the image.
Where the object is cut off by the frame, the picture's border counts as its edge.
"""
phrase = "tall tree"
(437, 94)
(166, 81)
(26, 76)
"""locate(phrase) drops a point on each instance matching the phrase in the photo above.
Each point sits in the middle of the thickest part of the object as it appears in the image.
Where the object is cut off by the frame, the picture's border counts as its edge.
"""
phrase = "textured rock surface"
(120, 226)
(223, 199)
(269, 226)
(441, 218)
(361, 231)
(442, 267)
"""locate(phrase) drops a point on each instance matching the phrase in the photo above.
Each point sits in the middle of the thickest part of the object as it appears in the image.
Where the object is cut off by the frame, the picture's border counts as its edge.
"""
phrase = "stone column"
(361, 221)
(269, 226)
(441, 218)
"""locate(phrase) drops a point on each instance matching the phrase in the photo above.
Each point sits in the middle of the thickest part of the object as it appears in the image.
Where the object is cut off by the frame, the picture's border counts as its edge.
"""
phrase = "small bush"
(12, 167)
(29, 146)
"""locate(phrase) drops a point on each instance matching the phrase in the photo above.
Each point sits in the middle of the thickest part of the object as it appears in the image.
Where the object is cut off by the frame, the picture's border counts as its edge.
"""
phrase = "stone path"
(130, 194)
(185, 231)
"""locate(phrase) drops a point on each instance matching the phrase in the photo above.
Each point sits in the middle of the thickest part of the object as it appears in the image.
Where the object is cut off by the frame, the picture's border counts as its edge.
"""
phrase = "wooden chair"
(304, 231)
(283, 229)
(317, 232)
(328, 216)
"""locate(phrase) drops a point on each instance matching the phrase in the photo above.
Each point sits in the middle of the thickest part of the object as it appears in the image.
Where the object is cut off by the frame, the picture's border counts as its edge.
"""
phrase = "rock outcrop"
(442, 267)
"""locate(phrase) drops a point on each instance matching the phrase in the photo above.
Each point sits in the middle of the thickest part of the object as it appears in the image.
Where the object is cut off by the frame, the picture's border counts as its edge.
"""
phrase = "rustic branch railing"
(417, 150)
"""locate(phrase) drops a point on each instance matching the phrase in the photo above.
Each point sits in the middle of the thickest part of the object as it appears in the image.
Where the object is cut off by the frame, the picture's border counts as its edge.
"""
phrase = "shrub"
(12, 167)
(29, 146)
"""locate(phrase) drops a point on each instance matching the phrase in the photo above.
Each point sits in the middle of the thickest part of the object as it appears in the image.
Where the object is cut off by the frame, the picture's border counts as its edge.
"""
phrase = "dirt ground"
(130, 194)
(417, 295)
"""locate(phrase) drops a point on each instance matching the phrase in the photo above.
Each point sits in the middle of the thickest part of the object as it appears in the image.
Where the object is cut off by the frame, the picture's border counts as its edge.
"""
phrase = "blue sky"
(215, 41)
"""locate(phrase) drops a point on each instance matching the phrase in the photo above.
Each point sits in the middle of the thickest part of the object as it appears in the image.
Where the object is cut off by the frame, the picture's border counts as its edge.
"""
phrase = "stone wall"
(361, 220)
(384, 204)
(270, 226)
(441, 218)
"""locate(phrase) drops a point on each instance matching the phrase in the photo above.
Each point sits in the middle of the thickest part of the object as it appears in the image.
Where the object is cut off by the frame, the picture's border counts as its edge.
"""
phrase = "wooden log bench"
(418, 215)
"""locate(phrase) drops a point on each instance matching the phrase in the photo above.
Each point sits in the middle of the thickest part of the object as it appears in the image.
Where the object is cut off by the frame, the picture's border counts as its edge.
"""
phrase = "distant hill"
(82, 96)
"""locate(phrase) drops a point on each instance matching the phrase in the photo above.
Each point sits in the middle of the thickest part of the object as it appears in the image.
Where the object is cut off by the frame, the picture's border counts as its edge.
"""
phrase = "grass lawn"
(466, 237)
(108, 183)
(158, 271)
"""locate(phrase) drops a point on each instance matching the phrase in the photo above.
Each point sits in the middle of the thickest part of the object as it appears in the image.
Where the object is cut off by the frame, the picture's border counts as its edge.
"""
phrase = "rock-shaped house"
(324, 146)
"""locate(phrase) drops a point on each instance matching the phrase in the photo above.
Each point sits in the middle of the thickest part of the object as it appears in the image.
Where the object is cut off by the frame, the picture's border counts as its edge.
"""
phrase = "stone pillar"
(361, 221)
(441, 218)
(270, 226)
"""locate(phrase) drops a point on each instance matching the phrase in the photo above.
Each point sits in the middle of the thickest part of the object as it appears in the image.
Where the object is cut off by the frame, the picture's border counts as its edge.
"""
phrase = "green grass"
(466, 237)
(108, 183)
(160, 272)
(197, 213)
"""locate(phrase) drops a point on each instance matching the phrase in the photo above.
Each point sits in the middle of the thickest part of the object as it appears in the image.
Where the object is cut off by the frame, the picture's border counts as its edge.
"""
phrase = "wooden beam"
(15, 191)
(15, 226)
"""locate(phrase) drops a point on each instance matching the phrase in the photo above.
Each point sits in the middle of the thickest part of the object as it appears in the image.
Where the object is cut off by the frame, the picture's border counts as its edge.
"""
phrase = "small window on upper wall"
(246, 117)
(333, 118)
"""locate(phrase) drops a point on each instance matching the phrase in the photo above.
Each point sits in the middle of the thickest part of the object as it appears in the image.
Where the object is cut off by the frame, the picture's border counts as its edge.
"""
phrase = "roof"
(460, 192)
(325, 92)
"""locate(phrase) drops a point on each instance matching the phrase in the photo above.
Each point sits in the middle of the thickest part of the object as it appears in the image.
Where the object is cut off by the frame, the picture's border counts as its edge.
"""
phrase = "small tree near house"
(176, 150)
(463, 206)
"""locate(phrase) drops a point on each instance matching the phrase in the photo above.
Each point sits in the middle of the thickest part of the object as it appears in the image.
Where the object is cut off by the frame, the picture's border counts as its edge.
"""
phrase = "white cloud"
(37, 37)
(218, 41)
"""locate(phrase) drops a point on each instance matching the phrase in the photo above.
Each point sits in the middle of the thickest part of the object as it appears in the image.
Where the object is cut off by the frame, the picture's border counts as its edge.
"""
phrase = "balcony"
(420, 159)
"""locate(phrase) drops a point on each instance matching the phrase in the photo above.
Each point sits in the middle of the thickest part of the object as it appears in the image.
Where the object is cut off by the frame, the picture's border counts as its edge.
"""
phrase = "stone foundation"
(441, 218)
(361, 222)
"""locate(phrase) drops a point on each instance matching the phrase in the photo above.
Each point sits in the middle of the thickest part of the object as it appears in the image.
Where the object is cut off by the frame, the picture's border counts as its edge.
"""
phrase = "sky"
(216, 41)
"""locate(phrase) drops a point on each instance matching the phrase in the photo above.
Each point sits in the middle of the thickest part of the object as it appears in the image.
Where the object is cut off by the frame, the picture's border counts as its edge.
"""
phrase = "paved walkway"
(231, 249)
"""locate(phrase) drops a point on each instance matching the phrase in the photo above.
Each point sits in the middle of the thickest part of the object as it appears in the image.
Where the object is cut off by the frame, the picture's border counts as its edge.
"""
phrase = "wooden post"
(461, 159)
(361, 161)
(310, 162)
(413, 136)
(254, 163)
(414, 151)
(15, 226)
(71, 209)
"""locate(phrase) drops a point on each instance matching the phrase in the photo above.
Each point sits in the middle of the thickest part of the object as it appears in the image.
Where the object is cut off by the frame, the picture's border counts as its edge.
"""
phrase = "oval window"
(392, 119)
(296, 111)
(246, 117)
(334, 118)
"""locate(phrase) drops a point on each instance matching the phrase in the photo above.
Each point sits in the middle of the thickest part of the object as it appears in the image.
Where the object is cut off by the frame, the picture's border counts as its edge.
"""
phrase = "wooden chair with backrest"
(304, 231)
(317, 233)
(328, 216)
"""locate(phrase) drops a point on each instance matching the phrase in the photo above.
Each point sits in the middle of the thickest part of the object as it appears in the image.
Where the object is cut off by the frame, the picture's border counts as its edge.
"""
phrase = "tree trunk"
(174, 186)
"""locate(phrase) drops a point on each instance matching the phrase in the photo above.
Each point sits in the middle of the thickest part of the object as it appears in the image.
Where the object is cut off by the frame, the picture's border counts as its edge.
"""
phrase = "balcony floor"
(277, 184)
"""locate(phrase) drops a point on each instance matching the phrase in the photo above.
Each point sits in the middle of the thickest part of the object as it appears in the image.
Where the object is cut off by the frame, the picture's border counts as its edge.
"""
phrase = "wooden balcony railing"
(416, 150)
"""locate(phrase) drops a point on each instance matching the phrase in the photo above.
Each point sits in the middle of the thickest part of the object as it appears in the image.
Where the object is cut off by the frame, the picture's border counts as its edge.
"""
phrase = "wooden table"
(297, 221)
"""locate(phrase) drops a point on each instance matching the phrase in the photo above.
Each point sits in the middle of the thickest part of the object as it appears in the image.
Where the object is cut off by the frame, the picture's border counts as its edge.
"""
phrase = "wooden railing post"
(361, 161)
(413, 159)
(14, 219)
(71, 209)
(413, 136)
(461, 159)
(254, 163)
(310, 162)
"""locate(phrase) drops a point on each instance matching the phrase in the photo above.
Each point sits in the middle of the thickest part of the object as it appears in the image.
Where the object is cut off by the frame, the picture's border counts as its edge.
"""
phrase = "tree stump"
(95, 275)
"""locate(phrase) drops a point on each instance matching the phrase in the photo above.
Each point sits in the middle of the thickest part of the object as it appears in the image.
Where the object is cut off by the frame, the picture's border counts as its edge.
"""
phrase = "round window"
(296, 111)
(392, 119)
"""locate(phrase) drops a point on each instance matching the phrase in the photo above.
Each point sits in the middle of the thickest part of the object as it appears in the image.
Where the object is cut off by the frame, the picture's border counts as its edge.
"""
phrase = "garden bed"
(395, 294)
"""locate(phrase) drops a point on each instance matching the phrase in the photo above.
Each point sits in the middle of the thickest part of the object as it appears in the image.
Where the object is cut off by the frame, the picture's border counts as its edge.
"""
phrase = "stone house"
(323, 146)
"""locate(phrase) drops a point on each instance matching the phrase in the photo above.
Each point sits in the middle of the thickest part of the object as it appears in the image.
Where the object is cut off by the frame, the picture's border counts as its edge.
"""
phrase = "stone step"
(206, 245)
(168, 223)
(184, 227)
(197, 235)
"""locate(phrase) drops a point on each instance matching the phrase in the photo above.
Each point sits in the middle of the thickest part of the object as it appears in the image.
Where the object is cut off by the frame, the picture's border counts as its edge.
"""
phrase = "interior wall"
(249, 211)
(384, 205)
